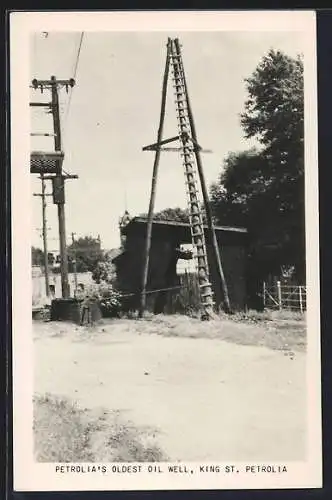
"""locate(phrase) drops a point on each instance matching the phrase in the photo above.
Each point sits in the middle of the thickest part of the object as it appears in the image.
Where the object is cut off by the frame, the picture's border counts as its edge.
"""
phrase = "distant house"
(39, 296)
(166, 237)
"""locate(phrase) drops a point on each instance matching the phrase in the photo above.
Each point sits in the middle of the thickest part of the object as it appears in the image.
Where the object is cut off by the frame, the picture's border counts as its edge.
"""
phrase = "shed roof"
(172, 223)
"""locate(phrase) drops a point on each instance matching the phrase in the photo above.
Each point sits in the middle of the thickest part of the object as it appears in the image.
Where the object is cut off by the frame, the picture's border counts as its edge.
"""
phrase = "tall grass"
(64, 432)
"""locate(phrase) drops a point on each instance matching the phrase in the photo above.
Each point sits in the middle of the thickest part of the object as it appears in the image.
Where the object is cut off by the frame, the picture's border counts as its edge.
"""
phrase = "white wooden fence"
(281, 296)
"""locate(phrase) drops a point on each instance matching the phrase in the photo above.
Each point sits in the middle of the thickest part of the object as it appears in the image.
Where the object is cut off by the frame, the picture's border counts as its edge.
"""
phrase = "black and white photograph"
(166, 328)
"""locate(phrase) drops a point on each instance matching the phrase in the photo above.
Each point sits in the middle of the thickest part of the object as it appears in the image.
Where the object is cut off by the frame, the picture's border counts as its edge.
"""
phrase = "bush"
(104, 272)
(109, 300)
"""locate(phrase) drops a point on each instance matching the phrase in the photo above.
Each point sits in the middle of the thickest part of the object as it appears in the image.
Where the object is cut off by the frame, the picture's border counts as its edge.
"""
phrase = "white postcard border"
(31, 476)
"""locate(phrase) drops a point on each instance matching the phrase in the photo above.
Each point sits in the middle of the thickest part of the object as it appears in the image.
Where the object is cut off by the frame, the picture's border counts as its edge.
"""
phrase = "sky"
(114, 111)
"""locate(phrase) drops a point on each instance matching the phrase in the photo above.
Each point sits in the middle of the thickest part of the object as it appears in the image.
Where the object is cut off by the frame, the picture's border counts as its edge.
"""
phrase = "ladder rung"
(198, 246)
(197, 224)
(197, 213)
(208, 304)
(203, 265)
(201, 256)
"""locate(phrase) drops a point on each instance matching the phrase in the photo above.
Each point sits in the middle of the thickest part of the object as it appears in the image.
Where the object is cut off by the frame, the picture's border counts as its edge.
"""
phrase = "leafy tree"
(104, 271)
(171, 214)
(263, 188)
(37, 256)
(274, 110)
(87, 252)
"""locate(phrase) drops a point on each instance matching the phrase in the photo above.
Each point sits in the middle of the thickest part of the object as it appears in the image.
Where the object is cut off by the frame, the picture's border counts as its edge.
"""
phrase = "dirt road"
(207, 399)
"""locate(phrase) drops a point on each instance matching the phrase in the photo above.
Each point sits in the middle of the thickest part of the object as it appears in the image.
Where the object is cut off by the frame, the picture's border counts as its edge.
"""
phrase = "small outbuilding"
(170, 248)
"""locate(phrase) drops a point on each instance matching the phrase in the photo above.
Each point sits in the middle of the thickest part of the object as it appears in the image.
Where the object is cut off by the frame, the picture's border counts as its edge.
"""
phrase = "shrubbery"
(109, 300)
(108, 297)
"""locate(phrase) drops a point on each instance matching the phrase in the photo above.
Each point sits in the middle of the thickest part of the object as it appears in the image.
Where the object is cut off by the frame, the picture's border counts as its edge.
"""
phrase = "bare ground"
(186, 389)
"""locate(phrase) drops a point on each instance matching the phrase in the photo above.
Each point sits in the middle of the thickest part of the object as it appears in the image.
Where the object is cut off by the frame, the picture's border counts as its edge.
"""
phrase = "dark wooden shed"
(166, 236)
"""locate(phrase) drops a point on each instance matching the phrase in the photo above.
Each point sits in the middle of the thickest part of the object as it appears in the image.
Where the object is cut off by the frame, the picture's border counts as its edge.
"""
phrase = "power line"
(74, 76)
(78, 54)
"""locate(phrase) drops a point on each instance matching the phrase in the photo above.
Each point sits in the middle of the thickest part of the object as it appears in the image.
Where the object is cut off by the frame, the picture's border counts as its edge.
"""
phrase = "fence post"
(300, 298)
(264, 294)
(279, 294)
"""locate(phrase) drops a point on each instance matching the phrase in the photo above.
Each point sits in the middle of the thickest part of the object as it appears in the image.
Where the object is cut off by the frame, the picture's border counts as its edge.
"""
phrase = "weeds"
(257, 329)
(64, 432)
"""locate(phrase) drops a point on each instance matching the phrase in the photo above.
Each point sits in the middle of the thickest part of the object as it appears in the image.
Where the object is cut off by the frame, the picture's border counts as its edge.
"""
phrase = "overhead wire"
(63, 122)
(66, 114)
(74, 77)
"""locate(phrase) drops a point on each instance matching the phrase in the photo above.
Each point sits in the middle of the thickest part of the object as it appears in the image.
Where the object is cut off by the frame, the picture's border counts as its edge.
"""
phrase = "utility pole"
(58, 179)
(61, 185)
(74, 261)
(44, 232)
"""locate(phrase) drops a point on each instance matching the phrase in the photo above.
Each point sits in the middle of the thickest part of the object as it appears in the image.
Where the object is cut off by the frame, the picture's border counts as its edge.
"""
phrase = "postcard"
(165, 250)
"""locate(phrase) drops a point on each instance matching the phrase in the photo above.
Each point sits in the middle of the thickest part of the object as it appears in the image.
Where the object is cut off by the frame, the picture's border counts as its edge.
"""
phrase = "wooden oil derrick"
(190, 153)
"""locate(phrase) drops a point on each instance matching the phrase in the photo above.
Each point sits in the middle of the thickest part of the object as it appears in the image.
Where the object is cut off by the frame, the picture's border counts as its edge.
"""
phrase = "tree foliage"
(105, 272)
(37, 256)
(171, 214)
(87, 252)
(263, 188)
